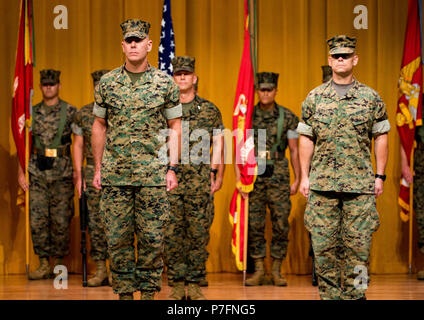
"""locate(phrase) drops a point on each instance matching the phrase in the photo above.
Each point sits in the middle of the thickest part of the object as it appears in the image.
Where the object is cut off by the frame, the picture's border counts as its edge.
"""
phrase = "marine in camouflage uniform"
(51, 187)
(192, 202)
(131, 109)
(418, 186)
(272, 188)
(338, 121)
(327, 74)
(82, 148)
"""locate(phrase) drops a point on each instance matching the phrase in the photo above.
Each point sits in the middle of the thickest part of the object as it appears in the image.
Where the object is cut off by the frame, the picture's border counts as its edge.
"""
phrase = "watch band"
(175, 169)
(382, 177)
(214, 171)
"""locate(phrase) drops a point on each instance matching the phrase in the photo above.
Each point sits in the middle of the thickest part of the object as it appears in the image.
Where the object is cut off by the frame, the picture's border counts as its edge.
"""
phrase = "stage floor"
(222, 286)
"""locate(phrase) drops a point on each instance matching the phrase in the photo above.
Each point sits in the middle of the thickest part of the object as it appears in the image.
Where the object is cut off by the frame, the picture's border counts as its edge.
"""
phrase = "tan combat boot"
(277, 279)
(43, 271)
(178, 291)
(194, 292)
(420, 275)
(259, 276)
(147, 295)
(100, 277)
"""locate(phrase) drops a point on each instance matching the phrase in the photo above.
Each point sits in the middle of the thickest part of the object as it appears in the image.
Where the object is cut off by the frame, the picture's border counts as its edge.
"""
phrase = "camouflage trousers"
(51, 209)
(96, 230)
(188, 235)
(419, 195)
(341, 227)
(274, 192)
(140, 211)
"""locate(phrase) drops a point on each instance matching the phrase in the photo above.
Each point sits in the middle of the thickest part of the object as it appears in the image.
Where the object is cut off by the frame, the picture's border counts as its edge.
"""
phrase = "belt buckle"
(264, 155)
(52, 153)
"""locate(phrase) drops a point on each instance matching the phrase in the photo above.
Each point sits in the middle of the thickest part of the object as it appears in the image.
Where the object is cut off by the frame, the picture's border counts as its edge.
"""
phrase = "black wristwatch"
(382, 177)
(175, 169)
(214, 171)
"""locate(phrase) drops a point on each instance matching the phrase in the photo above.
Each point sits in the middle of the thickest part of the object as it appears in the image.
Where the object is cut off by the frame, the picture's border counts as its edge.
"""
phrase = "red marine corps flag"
(409, 110)
(23, 81)
(244, 148)
(21, 102)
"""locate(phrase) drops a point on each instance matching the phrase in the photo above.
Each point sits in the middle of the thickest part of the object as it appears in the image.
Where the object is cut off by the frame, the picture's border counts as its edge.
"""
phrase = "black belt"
(53, 153)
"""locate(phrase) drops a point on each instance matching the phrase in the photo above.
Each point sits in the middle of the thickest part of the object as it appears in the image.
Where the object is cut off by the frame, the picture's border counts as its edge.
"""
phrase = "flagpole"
(246, 220)
(27, 125)
(411, 211)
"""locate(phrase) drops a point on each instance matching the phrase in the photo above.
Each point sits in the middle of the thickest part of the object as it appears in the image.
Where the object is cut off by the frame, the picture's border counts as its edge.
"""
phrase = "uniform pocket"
(323, 125)
(360, 123)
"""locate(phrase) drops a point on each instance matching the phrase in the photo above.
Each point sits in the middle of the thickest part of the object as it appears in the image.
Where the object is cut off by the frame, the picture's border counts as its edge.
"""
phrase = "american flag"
(167, 41)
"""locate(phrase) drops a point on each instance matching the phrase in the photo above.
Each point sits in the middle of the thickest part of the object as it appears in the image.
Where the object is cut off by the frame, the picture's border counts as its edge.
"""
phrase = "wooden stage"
(222, 286)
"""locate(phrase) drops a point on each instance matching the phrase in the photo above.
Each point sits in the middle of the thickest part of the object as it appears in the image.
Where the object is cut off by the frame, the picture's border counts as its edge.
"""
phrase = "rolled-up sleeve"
(292, 134)
(304, 129)
(381, 127)
(174, 112)
(76, 125)
(305, 126)
(381, 123)
(173, 108)
(99, 111)
(76, 129)
(99, 108)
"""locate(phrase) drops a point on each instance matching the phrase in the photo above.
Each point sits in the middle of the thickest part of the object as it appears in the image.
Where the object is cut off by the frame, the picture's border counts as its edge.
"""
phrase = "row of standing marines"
(170, 208)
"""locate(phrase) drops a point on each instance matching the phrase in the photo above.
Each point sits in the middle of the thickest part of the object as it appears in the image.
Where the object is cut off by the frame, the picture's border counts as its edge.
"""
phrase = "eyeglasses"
(344, 56)
(48, 84)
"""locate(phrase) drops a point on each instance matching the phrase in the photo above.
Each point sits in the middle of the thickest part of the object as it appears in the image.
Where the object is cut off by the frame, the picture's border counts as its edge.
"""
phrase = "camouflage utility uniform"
(134, 198)
(341, 203)
(273, 191)
(191, 203)
(51, 190)
(98, 245)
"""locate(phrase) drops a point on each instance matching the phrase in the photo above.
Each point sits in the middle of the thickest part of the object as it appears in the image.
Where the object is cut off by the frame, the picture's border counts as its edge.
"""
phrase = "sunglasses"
(131, 39)
(344, 56)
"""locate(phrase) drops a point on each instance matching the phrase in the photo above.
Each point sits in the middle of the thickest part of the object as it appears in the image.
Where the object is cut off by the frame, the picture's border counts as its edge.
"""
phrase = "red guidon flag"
(409, 110)
(23, 81)
(244, 149)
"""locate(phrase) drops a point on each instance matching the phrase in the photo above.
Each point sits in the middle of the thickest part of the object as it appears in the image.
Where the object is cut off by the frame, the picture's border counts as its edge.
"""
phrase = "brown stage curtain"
(291, 41)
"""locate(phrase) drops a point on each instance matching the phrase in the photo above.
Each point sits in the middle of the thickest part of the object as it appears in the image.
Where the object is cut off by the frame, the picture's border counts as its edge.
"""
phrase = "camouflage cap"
(341, 44)
(183, 63)
(266, 80)
(327, 73)
(135, 28)
(96, 75)
(49, 76)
